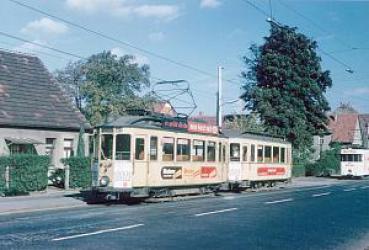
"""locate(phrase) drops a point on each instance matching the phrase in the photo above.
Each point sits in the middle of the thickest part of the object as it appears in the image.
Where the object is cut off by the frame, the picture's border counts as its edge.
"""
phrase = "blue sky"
(200, 33)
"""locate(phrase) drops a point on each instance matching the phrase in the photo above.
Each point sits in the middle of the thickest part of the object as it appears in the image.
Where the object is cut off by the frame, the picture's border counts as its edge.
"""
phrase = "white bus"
(354, 162)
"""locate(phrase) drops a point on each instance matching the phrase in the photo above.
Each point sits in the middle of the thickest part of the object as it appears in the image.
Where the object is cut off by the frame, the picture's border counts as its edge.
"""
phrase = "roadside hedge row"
(298, 170)
(26, 173)
(79, 171)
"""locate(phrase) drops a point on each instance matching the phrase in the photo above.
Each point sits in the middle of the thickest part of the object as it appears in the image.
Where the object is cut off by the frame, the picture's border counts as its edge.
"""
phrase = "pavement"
(334, 216)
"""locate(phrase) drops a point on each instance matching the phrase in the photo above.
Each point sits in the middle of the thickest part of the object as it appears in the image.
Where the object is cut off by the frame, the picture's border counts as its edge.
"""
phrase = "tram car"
(157, 156)
(148, 156)
(257, 160)
(354, 162)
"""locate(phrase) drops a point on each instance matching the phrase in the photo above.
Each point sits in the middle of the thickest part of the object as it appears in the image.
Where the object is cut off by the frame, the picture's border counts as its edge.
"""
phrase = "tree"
(285, 85)
(106, 85)
(246, 123)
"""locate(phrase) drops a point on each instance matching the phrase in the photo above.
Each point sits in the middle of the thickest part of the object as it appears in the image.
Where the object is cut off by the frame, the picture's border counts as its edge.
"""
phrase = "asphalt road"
(329, 217)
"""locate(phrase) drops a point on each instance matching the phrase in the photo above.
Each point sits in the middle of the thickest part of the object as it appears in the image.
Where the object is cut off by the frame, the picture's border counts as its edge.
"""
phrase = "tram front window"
(183, 150)
(106, 146)
(168, 148)
(140, 149)
(123, 147)
(234, 152)
(198, 150)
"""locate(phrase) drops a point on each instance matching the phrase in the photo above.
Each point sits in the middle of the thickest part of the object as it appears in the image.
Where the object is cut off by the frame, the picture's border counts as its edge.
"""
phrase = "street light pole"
(220, 99)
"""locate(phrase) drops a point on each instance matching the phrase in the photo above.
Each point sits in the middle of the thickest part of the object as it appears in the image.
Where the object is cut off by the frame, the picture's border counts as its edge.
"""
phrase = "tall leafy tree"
(285, 85)
(106, 85)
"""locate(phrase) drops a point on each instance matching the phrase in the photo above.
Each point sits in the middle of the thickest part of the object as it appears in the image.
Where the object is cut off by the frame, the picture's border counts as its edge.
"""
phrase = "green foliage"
(249, 123)
(285, 85)
(57, 177)
(26, 173)
(329, 162)
(298, 170)
(79, 171)
(81, 143)
(105, 85)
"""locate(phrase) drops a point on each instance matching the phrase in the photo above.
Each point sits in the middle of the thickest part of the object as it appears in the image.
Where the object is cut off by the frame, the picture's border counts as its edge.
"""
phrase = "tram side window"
(260, 153)
(168, 148)
(220, 152)
(268, 154)
(211, 151)
(183, 150)
(153, 148)
(234, 152)
(252, 153)
(106, 146)
(244, 153)
(275, 154)
(198, 150)
(283, 155)
(351, 157)
(140, 149)
(123, 147)
(224, 153)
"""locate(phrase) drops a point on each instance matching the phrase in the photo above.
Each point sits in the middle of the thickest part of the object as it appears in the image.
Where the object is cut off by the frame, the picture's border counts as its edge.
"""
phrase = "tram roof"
(236, 133)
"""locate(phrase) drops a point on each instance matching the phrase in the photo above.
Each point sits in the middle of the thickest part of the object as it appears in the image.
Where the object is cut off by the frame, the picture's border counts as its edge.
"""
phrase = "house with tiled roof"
(35, 115)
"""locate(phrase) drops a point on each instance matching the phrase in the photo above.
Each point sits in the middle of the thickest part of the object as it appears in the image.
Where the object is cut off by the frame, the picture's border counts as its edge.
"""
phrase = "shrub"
(328, 163)
(298, 170)
(26, 173)
(79, 171)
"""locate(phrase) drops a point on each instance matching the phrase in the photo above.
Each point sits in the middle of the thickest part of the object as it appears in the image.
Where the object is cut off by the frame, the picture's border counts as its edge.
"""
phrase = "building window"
(140, 149)
(49, 145)
(198, 150)
(68, 148)
(234, 152)
(211, 151)
(123, 147)
(19, 148)
(153, 148)
(268, 154)
(183, 150)
(244, 153)
(106, 146)
(168, 148)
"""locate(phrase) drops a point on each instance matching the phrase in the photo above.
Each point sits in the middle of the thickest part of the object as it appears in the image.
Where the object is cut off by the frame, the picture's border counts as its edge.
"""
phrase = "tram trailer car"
(257, 160)
(354, 162)
(138, 156)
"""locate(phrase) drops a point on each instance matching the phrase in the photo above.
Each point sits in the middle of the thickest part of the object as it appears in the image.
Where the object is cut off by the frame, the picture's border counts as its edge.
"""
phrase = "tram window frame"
(220, 152)
(283, 155)
(233, 152)
(244, 153)
(260, 153)
(153, 148)
(275, 157)
(165, 156)
(213, 151)
(267, 154)
(195, 155)
(104, 152)
(180, 156)
(252, 153)
(123, 152)
(139, 149)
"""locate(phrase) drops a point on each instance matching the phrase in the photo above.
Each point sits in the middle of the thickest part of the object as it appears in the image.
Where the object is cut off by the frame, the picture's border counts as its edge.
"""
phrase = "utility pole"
(220, 99)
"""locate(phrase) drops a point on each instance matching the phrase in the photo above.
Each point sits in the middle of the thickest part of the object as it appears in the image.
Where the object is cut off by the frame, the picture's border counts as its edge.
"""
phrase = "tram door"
(123, 166)
(140, 166)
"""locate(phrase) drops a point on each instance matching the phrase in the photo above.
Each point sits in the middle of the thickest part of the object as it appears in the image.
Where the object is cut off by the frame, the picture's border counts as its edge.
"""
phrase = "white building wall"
(41, 135)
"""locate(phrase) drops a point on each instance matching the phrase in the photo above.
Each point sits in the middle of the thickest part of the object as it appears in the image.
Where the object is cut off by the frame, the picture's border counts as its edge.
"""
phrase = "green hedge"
(26, 173)
(298, 170)
(79, 171)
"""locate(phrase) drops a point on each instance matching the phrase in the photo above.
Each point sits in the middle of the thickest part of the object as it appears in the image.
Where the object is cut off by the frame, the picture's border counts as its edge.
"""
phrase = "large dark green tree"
(286, 85)
(105, 85)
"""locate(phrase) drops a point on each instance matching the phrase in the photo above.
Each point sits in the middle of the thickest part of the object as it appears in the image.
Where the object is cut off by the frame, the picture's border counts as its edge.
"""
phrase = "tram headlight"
(104, 181)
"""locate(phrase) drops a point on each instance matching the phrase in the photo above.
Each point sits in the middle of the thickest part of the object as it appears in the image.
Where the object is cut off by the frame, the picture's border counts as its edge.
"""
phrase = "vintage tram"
(151, 155)
(354, 162)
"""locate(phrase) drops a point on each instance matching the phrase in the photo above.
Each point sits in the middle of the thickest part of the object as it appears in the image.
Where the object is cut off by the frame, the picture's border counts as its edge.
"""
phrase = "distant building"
(35, 115)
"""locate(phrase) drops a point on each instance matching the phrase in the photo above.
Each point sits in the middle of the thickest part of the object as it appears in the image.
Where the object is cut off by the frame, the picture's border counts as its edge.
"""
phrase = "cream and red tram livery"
(257, 160)
(143, 156)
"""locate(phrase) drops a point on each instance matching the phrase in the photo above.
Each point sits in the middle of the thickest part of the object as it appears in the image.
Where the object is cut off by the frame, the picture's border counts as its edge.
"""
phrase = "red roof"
(343, 127)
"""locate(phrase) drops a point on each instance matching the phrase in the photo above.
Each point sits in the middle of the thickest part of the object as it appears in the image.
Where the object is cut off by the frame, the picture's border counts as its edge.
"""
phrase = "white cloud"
(30, 47)
(139, 59)
(44, 27)
(124, 8)
(156, 37)
(210, 3)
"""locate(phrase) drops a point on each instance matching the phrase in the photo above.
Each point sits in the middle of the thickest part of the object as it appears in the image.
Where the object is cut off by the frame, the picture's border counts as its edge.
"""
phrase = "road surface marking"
(364, 187)
(279, 201)
(217, 211)
(98, 232)
(321, 194)
(229, 197)
(349, 189)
